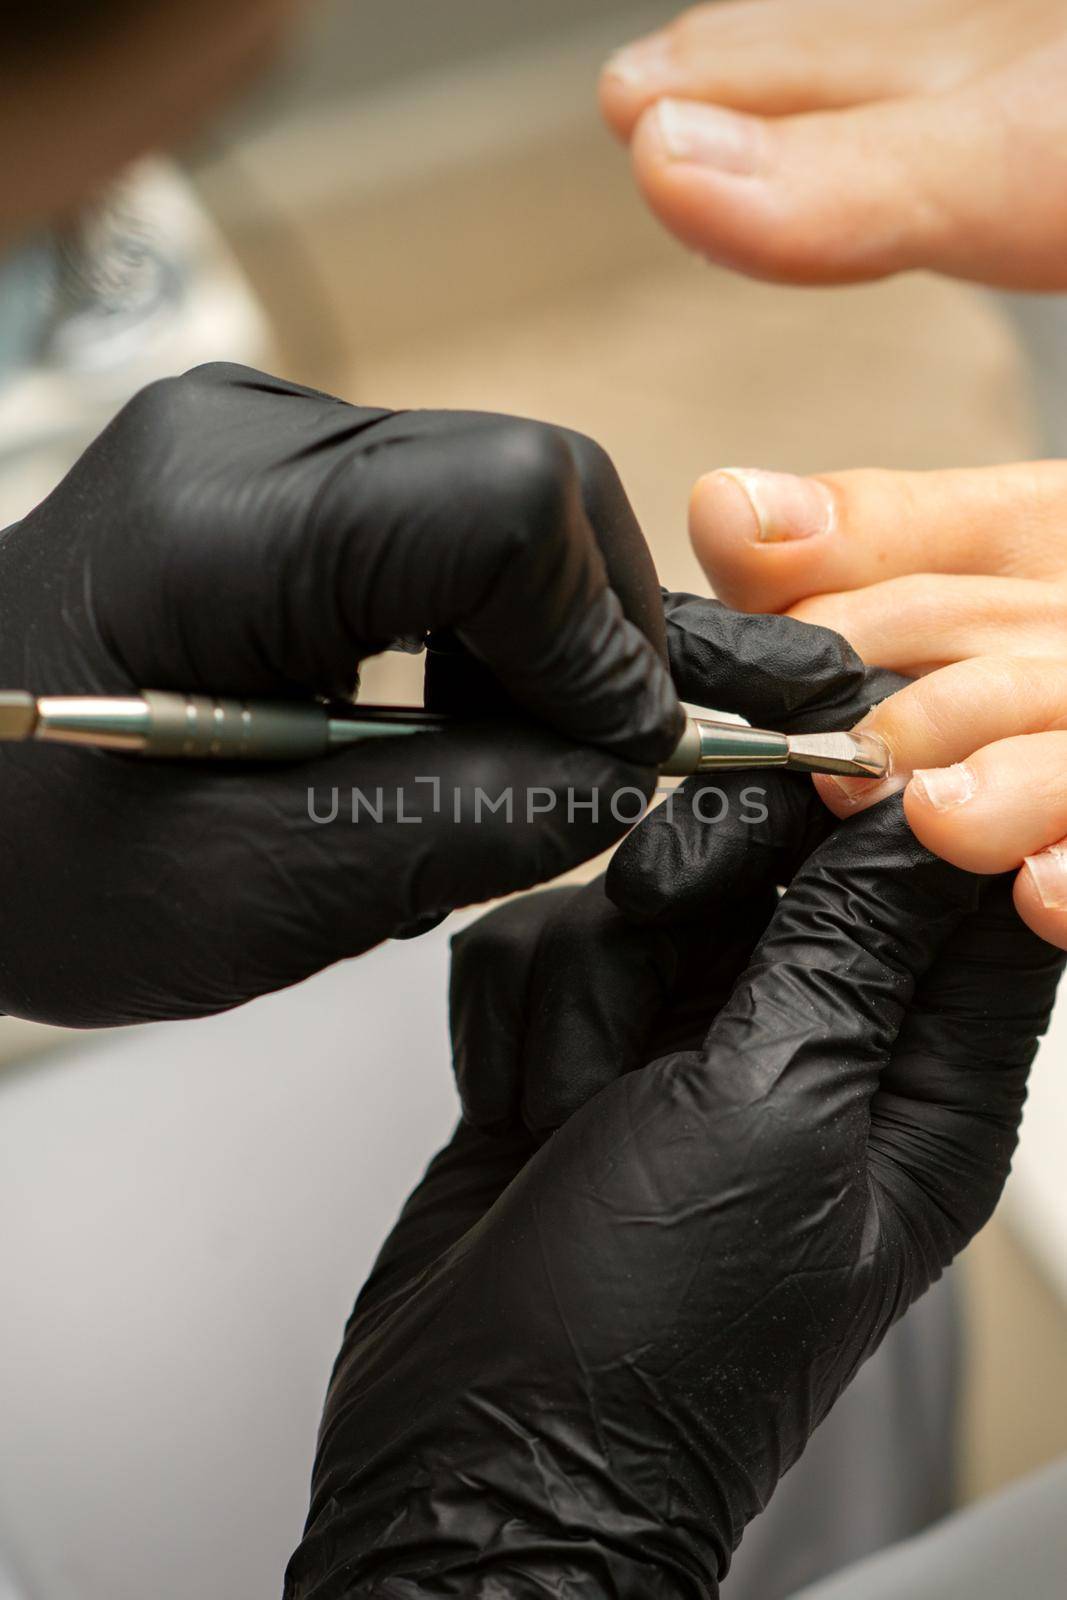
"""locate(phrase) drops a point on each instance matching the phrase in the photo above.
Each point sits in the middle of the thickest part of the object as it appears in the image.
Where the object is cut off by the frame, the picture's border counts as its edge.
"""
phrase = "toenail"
(708, 136)
(1048, 873)
(645, 63)
(947, 787)
(784, 507)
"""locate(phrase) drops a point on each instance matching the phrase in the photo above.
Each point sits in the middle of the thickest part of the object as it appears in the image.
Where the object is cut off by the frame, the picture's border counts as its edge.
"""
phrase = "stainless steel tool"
(196, 727)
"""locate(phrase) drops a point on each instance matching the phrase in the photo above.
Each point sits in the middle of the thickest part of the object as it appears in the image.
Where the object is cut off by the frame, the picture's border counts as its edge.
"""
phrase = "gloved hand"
(581, 1367)
(777, 673)
(696, 882)
(233, 533)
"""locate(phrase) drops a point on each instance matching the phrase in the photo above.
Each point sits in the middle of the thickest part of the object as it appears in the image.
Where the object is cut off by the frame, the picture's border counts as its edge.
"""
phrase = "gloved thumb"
(773, 671)
(795, 1056)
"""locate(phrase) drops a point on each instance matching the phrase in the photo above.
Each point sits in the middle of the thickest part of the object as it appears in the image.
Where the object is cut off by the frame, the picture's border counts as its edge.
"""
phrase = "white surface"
(1036, 1198)
(185, 1214)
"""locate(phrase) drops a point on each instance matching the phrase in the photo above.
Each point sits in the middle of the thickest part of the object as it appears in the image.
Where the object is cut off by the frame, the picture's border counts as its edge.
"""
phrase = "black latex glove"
(580, 1369)
(230, 532)
(556, 994)
(777, 673)
(604, 991)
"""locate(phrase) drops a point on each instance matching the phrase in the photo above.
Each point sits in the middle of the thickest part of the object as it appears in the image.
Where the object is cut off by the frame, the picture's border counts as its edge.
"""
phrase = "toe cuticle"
(1048, 874)
(784, 507)
(946, 788)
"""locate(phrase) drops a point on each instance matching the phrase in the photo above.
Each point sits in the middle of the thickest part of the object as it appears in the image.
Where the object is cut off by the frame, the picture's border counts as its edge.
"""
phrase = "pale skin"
(829, 141)
(961, 578)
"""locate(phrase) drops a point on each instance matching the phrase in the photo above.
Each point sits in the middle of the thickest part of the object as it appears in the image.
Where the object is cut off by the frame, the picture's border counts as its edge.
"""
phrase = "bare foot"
(961, 576)
(831, 141)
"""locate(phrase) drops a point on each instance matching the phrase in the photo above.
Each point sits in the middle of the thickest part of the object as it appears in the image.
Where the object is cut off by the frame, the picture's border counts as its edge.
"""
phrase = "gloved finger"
(604, 995)
(774, 671)
(554, 996)
(797, 1053)
(508, 558)
(304, 865)
(724, 837)
(722, 840)
(288, 535)
(459, 1186)
(945, 1120)
(488, 1012)
(456, 681)
(457, 684)
(426, 923)
(596, 986)
(466, 815)
(726, 834)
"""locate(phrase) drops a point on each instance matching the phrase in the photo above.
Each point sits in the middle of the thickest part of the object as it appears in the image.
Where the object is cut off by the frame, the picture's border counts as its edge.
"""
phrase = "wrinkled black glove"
(580, 1368)
(777, 673)
(583, 1370)
(557, 994)
(233, 533)
(698, 878)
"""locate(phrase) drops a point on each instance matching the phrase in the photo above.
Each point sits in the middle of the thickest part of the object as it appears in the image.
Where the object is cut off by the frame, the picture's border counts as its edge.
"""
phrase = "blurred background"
(417, 206)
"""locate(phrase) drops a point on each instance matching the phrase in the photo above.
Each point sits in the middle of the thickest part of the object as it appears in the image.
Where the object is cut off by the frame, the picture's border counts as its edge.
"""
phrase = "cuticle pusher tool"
(197, 727)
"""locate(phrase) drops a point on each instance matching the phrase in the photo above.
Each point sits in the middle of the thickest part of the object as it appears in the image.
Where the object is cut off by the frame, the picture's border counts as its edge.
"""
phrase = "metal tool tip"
(852, 755)
(18, 714)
